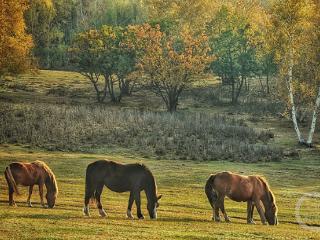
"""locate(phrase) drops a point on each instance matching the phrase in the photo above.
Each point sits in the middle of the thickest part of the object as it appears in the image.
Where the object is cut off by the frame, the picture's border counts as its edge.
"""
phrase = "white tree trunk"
(291, 98)
(314, 119)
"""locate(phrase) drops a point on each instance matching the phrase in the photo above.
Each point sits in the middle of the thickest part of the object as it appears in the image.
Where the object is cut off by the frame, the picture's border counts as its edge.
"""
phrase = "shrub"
(194, 136)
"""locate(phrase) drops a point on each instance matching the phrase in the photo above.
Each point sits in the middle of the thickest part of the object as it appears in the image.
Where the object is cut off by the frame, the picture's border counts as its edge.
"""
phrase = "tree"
(169, 64)
(106, 53)
(235, 55)
(86, 55)
(39, 19)
(296, 39)
(15, 43)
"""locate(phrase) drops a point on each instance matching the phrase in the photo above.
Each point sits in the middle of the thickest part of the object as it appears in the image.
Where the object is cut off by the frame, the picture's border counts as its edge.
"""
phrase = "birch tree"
(294, 29)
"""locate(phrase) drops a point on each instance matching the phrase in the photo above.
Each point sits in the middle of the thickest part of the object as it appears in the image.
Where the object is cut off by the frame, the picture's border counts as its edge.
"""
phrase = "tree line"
(167, 45)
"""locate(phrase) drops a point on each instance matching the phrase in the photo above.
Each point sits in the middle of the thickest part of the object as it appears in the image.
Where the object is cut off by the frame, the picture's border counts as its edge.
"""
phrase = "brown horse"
(250, 189)
(132, 178)
(30, 174)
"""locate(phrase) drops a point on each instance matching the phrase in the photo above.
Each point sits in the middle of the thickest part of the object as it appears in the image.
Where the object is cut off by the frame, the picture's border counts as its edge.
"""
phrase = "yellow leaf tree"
(15, 44)
(295, 26)
(169, 64)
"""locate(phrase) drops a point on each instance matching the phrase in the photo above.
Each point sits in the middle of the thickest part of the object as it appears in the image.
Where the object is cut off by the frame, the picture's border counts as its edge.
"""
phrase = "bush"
(194, 136)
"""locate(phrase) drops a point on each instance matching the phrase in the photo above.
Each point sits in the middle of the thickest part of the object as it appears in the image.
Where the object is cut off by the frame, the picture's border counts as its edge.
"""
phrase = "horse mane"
(270, 194)
(150, 175)
(51, 175)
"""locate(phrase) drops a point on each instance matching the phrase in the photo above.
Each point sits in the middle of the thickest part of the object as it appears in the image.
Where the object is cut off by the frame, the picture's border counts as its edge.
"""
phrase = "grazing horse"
(30, 174)
(132, 178)
(250, 189)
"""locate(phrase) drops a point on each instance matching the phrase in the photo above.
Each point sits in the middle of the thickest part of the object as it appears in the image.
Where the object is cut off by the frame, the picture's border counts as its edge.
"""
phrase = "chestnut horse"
(132, 178)
(30, 174)
(250, 189)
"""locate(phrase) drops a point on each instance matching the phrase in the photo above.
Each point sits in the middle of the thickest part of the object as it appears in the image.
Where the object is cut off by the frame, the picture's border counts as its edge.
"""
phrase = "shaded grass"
(184, 212)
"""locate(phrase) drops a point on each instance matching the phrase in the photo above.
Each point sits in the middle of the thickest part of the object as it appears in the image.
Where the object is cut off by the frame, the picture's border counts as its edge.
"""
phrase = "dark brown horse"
(30, 174)
(132, 178)
(250, 189)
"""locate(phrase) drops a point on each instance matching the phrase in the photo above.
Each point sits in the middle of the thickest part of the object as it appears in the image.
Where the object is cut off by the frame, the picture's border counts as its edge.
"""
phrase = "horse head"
(52, 190)
(271, 210)
(152, 206)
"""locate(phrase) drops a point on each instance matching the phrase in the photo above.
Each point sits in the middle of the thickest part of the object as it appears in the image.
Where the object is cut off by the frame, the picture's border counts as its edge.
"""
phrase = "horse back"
(236, 187)
(117, 177)
(26, 174)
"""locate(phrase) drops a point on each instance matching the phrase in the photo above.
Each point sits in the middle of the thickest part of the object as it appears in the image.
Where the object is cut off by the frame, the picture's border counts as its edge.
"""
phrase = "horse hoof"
(141, 217)
(102, 213)
(12, 204)
(86, 212)
(129, 215)
(228, 221)
(252, 223)
(29, 205)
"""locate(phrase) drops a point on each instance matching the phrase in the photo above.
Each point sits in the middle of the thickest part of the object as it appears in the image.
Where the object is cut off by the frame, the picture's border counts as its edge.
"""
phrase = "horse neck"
(150, 188)
(48, 182)
(266, 200)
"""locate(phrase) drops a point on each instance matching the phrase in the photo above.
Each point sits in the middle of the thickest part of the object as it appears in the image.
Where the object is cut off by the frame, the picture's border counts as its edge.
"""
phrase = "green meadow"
(184, 211)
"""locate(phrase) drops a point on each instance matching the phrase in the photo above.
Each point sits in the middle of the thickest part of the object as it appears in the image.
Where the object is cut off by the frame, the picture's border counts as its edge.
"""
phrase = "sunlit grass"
(184, 212)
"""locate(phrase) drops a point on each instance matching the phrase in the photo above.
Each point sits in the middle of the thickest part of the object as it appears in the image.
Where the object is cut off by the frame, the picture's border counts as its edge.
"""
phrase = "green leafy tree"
(106, 59)
(86, 55)
(235, 56)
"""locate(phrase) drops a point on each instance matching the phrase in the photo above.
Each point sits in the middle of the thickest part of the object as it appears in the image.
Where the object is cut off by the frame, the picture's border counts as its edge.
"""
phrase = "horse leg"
(250, 208)
(138, 204)
(86, 210)
(98, 192)
(29, 196)
(41, 195)
(130, 202)
(260, 211)
(216, 216)
(226, 218)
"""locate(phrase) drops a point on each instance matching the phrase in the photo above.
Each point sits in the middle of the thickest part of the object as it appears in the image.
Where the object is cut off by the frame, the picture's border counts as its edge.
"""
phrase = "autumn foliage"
(15, 44)
(170, 64)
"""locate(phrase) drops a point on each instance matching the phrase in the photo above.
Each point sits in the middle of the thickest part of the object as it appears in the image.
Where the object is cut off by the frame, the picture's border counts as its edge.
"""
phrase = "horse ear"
(159, 197)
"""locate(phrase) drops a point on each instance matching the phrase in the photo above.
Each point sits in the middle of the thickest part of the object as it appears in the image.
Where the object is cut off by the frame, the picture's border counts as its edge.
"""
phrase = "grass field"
(184, 212)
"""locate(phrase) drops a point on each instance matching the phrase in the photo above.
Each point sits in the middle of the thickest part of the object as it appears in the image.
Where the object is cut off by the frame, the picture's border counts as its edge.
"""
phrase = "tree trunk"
(237, 94)
(314, 120)
(96, 88)
(124, 87)
(172, 106)
(268, 87)
(233, 100)
(173, 99)
(291, 98)
(110, 85)
(261, 84)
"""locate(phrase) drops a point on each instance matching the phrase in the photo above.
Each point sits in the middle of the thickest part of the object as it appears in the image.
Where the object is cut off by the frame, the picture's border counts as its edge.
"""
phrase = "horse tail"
(89, 186)
(11, 180)
(210, 192)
